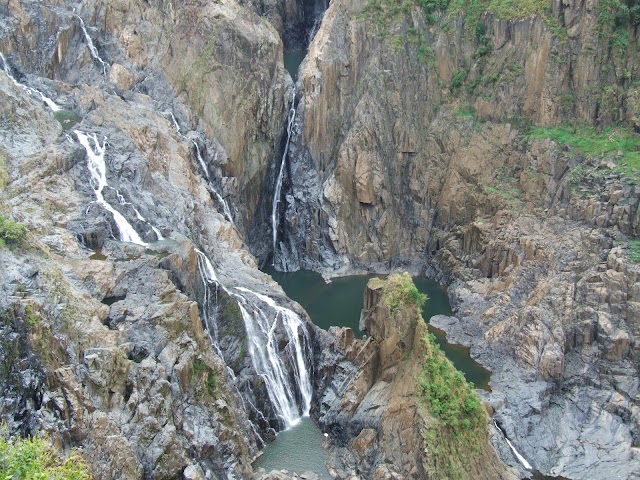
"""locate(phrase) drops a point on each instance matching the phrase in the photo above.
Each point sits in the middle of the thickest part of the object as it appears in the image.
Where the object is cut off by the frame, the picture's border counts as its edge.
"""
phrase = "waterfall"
(50, 103)
(520, 458)
(261, 315)
(276, 194)
(205, 170)
(210, 298)
(173, 119)
(92, 48)
(139, 216)
(98, 170)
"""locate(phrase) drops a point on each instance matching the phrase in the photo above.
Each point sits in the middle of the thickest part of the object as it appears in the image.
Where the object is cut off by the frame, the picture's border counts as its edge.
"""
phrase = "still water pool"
(339, 303)
(292, 61)
(298, 449)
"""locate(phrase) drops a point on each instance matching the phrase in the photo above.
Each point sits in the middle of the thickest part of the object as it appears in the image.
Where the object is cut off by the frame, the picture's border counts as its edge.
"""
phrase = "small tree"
(11, 232)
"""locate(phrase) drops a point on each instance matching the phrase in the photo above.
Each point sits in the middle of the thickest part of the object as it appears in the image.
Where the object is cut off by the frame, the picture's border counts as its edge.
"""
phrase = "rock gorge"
(424, 140)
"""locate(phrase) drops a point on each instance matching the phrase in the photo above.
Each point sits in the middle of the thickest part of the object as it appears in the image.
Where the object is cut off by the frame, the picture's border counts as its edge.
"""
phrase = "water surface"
(292, 61)
(339, 303)
(298, 449)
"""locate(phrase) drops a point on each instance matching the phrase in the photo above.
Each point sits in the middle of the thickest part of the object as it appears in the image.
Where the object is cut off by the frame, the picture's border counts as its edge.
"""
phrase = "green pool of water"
(292, 61)
(336, 303)
(67, 118)
(339, 303)
(298, 449)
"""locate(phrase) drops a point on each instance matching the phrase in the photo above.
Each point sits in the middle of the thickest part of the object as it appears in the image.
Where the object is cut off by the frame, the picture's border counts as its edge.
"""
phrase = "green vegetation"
(30, 317)
(203, 376)
(472, 11)
(400, 293)
(592, 144)
(11, 232)
(450, 398)
(615, 18)
(33, 458)
(460, 419)
(458, 80)
(633, 251)
(4, 176)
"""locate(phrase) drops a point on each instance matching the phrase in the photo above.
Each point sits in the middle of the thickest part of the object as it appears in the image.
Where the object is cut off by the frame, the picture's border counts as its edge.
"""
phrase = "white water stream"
(276, 194)
(98, 170)
(520, 458)
(50, 103)
(221, 200)
(261, 315)
(92, 48)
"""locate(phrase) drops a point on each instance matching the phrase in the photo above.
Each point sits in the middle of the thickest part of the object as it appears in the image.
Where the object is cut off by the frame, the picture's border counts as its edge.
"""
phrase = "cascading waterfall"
(520, 458)
(263, 349)
(50, 103)
(221, 200)
(139, 216)
(98, 170)
(173, 119)
(210, 298)
(92, 48)
(261, 328)
(225, 206)
(276, 194)
(318, 15)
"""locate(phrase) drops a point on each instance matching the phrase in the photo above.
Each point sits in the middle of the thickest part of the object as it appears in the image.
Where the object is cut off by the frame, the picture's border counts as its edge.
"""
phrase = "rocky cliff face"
(107, 345)
(196, 61)
(371, 402)
(413, 127)
(404, 123)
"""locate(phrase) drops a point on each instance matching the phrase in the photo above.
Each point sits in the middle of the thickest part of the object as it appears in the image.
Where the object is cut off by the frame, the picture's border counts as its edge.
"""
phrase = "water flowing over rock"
(129, 315)
(412, 142)
(277, 191)
(262, 319)
(98, 180)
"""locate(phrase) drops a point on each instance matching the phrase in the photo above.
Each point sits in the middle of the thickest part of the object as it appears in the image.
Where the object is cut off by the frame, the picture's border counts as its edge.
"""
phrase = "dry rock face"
(369, 397)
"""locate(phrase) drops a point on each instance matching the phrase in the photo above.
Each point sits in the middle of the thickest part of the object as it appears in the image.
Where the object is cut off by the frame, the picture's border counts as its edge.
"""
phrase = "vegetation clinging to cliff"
(10, 231)
(621, 142)
(400, 292)
(459, 429)
(34, 458)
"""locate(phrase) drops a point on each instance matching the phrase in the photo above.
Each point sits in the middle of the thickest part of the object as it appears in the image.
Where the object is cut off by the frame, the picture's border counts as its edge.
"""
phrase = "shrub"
(633, 251)
(203, 375)
(458, 80)
(400, 292)
(34, 458)
(449, 397)
(10, 231)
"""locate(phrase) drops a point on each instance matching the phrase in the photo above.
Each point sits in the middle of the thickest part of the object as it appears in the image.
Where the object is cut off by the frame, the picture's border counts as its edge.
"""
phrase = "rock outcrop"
(411, 152)
(371, 401)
